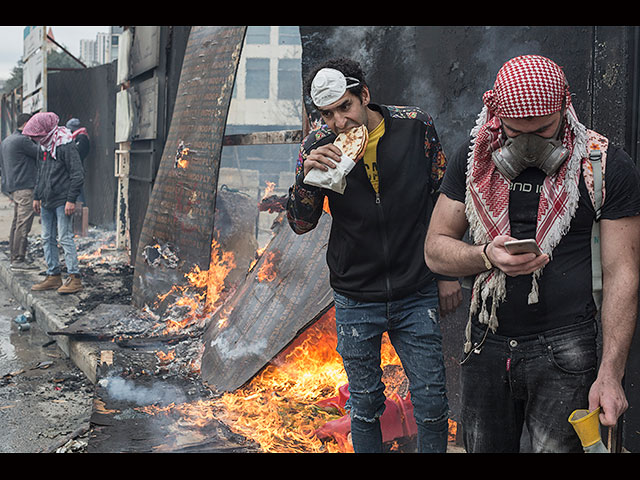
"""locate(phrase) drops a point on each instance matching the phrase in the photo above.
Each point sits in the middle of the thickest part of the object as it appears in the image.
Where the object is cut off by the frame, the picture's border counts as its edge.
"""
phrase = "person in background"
(375, 252)
(531, 356)
(59, 181)
(18, 169)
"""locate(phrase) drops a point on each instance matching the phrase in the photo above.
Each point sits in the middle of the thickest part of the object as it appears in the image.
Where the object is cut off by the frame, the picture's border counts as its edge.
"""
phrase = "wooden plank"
(182, 204)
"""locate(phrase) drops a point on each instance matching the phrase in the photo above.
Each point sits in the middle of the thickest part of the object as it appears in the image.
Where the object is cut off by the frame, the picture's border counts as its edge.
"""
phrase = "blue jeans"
(58, 227)
(413, 327)
(537, 381)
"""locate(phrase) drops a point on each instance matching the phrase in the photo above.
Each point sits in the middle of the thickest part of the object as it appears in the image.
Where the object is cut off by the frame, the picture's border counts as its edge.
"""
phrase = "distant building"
(103, 49)
(268, 88)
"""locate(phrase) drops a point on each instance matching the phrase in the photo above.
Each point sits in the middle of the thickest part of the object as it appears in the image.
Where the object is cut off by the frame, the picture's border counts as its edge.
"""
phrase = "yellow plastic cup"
(586, 425)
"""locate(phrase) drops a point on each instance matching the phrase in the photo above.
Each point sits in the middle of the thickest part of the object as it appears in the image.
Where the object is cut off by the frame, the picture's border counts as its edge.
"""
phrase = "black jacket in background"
(18, 162)
(59, 179)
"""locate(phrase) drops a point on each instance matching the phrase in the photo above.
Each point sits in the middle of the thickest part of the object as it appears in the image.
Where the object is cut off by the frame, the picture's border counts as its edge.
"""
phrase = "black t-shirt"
(565, 292)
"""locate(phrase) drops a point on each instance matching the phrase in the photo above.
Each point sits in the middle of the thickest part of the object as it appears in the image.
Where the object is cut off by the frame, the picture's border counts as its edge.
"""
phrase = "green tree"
(55, 59)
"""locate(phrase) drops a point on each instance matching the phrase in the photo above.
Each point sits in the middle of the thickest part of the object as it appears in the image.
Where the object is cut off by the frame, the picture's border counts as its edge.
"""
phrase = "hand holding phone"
(517, 247)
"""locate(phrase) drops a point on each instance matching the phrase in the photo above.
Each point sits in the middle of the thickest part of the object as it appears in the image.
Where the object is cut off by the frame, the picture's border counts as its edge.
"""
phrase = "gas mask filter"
(530, 150)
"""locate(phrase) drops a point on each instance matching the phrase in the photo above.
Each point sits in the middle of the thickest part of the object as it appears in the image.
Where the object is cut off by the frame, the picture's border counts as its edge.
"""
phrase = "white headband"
(329, 85)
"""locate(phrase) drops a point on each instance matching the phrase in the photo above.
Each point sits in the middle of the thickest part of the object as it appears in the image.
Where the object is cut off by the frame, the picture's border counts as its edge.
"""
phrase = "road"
(44, 398)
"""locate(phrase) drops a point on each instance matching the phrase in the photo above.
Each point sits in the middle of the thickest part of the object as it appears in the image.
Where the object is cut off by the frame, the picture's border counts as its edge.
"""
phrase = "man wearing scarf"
(530, 355)
(59, 182)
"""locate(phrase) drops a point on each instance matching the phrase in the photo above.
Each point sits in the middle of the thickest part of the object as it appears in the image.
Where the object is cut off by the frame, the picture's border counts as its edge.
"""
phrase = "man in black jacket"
(18, 166)
(375, 253)
(60, 179)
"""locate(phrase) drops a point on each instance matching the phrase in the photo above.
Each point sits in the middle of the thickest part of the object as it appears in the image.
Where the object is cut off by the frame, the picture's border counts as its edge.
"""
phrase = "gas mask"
(530, 150)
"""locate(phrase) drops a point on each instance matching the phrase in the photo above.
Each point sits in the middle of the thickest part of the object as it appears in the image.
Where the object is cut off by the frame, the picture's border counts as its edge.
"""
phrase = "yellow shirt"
(370, 155)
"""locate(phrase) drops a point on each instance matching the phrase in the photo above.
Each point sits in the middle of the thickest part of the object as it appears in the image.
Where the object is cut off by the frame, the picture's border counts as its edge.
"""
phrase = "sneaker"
(72, 284)
(50, 283)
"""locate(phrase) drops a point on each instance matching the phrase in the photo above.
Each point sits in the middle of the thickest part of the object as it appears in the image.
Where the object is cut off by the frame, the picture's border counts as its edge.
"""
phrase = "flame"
(268, 271)
(259, 253)
(271, 186)
(278, 410)
(181, 160)
(325, 205)
(281, 408)
(107, 253)
(165, 358)
(203, 292)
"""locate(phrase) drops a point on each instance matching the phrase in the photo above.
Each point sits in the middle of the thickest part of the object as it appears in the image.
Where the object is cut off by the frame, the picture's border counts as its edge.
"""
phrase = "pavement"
(52, 312)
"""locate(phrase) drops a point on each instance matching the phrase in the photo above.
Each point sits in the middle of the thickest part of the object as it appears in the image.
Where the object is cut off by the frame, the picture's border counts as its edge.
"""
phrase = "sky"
(11, 43)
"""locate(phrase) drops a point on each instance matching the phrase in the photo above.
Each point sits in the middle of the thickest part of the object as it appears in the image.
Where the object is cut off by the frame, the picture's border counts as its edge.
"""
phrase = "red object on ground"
(397, 421)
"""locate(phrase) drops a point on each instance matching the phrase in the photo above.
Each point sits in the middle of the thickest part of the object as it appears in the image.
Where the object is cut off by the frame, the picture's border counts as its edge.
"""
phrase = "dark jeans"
(535, 381)
(413, 327)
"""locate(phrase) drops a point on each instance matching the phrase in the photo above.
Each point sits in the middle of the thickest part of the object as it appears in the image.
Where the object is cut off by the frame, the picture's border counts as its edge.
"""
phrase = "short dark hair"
(23, 118)
(348, 67)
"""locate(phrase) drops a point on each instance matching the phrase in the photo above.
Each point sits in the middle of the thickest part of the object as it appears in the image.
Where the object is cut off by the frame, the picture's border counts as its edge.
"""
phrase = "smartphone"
(515, 247)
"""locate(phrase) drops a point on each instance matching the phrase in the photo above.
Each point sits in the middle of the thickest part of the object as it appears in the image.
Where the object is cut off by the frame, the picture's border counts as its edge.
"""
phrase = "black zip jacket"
(59, 179)
(376, 245)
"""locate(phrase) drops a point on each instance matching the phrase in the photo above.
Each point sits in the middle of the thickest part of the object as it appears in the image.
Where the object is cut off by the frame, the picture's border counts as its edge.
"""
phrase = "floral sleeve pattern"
(305, 202)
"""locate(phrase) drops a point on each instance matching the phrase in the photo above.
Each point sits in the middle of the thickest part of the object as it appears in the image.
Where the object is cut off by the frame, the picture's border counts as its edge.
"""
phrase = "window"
(289, 35)
(260, 35)
(257, 82)
(289, 79)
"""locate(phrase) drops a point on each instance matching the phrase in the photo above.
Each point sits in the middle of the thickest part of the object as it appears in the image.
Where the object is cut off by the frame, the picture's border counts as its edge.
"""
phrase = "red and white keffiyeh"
(44, 128)
(526, 86)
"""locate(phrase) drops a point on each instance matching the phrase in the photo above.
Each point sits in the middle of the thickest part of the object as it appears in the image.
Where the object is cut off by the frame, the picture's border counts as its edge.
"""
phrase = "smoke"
(128, 391)
(230, 350)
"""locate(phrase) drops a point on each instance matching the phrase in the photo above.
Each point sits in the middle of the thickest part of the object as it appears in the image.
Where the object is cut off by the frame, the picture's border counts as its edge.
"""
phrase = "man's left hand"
(608, 394)
(69, 208)
(450, 294)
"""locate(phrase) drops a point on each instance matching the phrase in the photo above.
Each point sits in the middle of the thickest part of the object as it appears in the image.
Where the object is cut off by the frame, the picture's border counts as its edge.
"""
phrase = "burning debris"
(181, 156)
(156, 255)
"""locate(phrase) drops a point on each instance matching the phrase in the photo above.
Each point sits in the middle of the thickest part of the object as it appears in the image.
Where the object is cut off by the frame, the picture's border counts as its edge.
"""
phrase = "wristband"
(485, 258)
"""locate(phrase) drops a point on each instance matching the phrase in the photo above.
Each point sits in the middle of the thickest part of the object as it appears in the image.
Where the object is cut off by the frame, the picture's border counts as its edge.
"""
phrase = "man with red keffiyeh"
(58, 184)
(530, 356)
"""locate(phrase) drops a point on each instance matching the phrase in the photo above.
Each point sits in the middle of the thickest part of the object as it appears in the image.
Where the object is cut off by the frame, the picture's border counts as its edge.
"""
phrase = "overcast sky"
(11, 43)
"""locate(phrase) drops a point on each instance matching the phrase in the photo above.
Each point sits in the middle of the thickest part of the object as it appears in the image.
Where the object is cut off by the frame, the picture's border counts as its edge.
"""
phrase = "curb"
(49, 309)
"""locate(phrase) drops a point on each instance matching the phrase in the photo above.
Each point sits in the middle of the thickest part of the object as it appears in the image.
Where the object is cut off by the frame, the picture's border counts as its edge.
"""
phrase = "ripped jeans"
(413, 327)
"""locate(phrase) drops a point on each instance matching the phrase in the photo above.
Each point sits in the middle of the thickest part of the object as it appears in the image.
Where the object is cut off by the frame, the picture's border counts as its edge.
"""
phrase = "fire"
(268, 271)
(279, 409)
(107, 253)
(165, 358)
(283, 407)
(271, 186)
(325, 205)
(204, 290)
(182, 153)
(259, 253)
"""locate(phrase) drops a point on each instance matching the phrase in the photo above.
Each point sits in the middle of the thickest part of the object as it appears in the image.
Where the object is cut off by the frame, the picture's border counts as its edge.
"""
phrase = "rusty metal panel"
(287, 290)
(182, 205)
